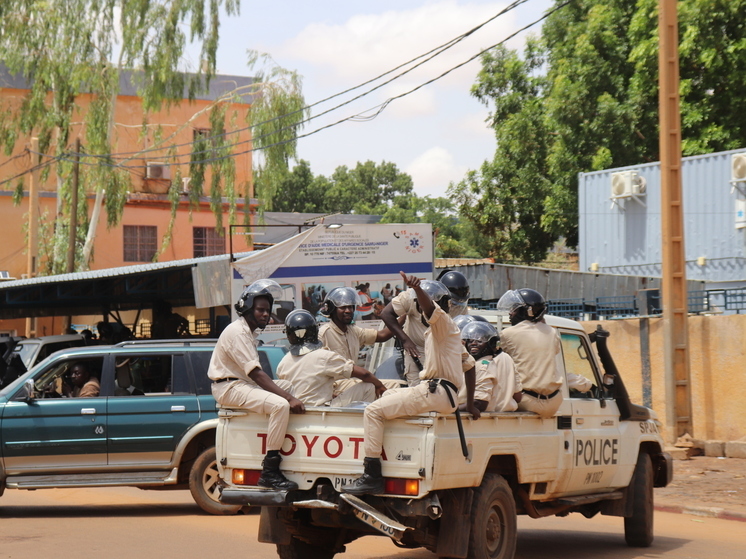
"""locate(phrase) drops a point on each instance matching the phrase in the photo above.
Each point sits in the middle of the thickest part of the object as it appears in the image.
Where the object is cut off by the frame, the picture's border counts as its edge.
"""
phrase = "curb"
(709, 512)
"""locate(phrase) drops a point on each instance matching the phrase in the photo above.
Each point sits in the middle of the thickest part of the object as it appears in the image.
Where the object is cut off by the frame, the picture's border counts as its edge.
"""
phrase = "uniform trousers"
(401, 402)
(545, 408)
(240, 394)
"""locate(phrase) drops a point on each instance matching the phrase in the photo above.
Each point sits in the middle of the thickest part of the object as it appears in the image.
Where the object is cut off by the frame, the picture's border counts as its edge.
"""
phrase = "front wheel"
(204, 483)
(493, 530)
(298, 549)
(638, 528)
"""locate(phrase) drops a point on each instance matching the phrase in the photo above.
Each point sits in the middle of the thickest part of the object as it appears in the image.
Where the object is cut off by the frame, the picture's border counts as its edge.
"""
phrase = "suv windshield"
(27, 351)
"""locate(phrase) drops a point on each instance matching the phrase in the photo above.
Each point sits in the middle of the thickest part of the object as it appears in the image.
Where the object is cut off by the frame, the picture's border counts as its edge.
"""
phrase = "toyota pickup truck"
(599, 454)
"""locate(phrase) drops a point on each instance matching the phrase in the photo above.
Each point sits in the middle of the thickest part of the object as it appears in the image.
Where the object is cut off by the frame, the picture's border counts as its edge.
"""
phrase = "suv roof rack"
(186, 343)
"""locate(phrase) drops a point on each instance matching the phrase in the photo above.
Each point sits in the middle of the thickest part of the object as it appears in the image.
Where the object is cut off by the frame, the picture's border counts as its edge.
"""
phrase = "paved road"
(122, 523)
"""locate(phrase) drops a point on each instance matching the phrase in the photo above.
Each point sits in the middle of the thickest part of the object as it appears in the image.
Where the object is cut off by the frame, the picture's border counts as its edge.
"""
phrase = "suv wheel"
(204, 483)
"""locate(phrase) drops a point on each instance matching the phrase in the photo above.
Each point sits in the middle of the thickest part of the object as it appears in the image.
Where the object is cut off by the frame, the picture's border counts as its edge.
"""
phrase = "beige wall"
(717, 352)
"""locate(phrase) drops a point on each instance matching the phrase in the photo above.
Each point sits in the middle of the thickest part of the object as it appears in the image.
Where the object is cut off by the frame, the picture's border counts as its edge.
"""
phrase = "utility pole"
(73, 225)
(33, 226)
(674, 291)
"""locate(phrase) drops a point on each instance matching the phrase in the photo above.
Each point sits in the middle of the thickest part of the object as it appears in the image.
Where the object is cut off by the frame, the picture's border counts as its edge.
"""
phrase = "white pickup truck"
(600, 454)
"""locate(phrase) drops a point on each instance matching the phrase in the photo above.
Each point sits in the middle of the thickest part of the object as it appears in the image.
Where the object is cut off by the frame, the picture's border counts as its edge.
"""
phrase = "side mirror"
(27, 391)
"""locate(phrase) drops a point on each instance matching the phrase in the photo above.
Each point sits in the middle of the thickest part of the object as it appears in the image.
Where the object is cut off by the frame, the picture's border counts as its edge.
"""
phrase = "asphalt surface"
(706, 486)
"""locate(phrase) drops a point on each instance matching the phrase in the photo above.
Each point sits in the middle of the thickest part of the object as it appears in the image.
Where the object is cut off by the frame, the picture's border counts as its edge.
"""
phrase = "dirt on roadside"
(706, 481)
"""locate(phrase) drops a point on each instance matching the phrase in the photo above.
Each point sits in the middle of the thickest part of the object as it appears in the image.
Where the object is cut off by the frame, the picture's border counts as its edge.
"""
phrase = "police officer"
(534, 346)
(498, 387)
(240, 382)
(340, 334)
(442, 377)
(412, 335)
(312, 369)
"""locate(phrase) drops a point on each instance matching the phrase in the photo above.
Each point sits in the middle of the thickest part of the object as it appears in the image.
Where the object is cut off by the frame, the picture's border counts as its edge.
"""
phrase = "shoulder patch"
(485, 361)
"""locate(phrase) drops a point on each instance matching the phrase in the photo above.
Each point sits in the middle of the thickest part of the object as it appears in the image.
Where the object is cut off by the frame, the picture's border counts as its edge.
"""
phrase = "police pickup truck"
(599, 454)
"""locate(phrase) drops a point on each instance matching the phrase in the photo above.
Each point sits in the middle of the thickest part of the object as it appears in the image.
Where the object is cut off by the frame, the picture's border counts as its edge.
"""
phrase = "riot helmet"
(302, 332)
(339, 297)
(437, 291)
(458, 285)
(483, 334)
(260, 288)
(523, 304)
(462, 320)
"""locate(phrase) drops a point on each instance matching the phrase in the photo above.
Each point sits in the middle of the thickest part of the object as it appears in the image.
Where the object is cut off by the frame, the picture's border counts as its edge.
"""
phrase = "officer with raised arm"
(240, 382)
(442, 377)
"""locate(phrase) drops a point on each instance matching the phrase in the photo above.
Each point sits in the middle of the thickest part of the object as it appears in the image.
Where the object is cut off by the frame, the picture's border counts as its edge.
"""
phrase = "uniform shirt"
(405, 304)
(313, 374)
(579, 382)
(347, 344)
(496, 383)
(445, 355)
(534, 347)
(235, 354)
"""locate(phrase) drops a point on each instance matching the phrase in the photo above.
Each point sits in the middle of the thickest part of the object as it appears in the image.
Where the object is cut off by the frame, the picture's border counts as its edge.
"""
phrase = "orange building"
(147, 216)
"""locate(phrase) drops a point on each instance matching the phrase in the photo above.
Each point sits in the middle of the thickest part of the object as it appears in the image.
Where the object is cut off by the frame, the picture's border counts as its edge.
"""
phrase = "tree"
(584, 97)
(82, 46)
(301, 191)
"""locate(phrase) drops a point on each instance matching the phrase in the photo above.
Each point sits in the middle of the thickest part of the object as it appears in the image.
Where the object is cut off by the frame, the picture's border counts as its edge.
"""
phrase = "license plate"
(340, 482)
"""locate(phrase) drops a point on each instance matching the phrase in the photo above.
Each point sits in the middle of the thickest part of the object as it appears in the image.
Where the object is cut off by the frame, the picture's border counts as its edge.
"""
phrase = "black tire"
(638, 528)
(204, 483)
(298, 549)
(493, 530)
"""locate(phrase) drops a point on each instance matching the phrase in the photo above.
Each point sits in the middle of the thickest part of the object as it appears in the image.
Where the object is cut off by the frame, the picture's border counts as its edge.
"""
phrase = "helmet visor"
(510, 301)
(342, 297)
(435, 289)
(264, 287)
(479, 331)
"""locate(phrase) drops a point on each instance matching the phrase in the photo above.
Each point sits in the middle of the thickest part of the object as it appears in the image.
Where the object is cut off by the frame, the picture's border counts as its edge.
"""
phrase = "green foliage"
(68, 48)
(584, 97)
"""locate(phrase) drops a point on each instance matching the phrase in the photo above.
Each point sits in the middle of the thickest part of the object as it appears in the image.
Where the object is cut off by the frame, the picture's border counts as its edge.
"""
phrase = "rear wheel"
(204, 483)
(493, 530)
(298, 549)
(638, 528)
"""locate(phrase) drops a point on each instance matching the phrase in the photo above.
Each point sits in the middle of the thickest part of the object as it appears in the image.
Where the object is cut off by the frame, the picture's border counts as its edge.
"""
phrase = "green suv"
(152, 425)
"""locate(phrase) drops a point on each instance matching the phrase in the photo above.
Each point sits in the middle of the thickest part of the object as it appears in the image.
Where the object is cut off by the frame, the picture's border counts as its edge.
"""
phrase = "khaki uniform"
(312, 378)
(443, 359)
(235, 356)
(579, 382)
(496, 382)
(347, 344)
(535, 348)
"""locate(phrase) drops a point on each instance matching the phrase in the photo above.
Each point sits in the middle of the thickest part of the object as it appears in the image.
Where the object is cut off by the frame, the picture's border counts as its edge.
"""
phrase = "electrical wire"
(427, 57)
(359, 117)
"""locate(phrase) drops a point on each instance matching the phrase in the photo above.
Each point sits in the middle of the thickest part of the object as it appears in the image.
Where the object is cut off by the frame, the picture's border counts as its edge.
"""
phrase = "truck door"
(596, 441)
(53, 431)
(153, 404)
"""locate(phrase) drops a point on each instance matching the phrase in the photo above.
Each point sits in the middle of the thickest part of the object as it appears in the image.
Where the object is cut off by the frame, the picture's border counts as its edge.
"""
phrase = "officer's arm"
(470, 378)
(366, 376)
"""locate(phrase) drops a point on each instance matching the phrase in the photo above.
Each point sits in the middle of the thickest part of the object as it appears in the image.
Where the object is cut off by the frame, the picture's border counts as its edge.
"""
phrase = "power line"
(426, 56)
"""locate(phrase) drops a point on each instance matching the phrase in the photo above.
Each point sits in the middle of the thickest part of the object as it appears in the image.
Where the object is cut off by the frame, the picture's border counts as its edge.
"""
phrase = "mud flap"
(271, 528)
(373, 518)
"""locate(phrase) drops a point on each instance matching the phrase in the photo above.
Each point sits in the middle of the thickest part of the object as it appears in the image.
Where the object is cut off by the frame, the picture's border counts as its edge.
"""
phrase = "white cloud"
(433, 170)
(366, 45)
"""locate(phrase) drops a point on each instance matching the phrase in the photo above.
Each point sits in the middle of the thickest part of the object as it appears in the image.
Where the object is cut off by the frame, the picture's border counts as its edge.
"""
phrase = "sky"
(435, 134)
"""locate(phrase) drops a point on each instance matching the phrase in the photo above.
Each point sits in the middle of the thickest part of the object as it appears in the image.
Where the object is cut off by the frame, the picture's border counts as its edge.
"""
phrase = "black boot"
(272, 476)
(371, 482)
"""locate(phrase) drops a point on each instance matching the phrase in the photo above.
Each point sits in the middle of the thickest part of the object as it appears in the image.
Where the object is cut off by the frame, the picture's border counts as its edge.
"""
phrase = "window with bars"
(207, 242)
(140, 243)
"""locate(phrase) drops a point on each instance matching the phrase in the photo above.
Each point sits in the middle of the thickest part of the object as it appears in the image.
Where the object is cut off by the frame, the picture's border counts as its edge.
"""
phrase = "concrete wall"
(717, 352)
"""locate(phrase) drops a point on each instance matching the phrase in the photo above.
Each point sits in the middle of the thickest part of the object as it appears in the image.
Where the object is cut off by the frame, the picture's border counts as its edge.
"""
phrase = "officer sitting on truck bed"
(534, 346)
(345, 338)
(442, 377)
(498, 387)
(239, 381)
(412, 335)
(312, 369)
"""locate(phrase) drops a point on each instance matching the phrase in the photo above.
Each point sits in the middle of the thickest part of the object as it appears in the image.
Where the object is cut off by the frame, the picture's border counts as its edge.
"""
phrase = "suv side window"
(137, 375)
(56, 381)
(200, 365)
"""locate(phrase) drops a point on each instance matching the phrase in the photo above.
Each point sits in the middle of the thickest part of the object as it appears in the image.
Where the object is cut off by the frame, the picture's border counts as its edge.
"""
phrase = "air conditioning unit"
(738, 167)
(625, 184)
(157, 171)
